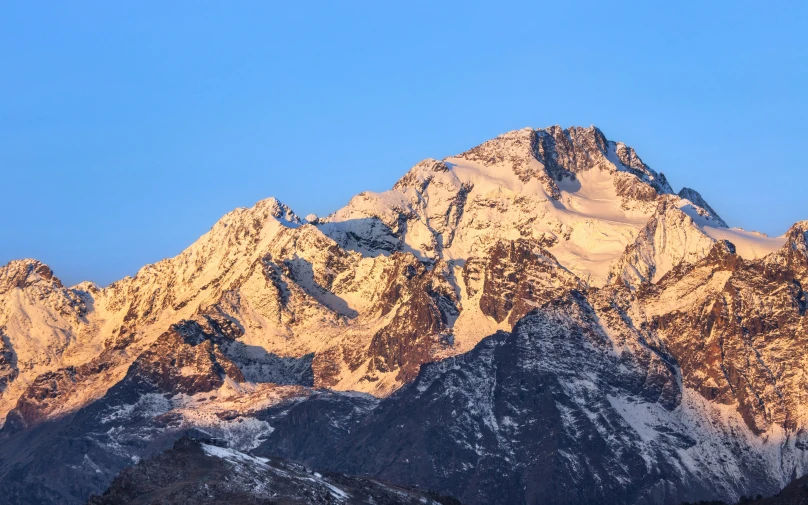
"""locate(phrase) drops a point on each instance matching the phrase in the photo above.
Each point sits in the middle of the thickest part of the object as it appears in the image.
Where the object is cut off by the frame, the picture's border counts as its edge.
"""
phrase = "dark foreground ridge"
(795, 493)
(201, 472)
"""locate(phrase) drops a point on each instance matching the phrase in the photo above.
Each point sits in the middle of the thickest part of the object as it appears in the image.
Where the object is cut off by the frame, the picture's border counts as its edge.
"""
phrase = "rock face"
(519, 276)
(701, 207)
(736, 336)
(539, 319)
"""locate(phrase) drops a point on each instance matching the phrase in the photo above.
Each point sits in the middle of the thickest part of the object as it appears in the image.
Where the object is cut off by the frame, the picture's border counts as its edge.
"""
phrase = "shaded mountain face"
(576, 405)
(539, 319)
(796, 493)
(201, 473)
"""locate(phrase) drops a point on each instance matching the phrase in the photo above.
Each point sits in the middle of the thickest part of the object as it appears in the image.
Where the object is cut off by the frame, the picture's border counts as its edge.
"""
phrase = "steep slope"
(695, 205)
(182, 381)
(796, 493)
(669, 239)
(275, 281)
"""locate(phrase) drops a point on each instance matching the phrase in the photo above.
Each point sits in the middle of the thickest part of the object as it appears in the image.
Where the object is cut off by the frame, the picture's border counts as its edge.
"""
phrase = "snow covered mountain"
(543, 307)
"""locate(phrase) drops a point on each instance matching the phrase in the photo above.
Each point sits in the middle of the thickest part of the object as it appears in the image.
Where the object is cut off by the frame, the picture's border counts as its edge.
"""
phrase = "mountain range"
(541, 319)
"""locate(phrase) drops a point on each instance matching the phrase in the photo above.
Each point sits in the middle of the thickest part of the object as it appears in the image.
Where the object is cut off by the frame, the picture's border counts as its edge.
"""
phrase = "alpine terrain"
(541, 319)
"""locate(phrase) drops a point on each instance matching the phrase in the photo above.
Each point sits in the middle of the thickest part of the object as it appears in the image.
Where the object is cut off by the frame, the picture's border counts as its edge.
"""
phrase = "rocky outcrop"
(793, 256)
(39, 320)
(184, 360)
(669, 239)
(518, 277)
(702, 207)
(562, 153)
(45, 396)
(423, 304)
(8, 363)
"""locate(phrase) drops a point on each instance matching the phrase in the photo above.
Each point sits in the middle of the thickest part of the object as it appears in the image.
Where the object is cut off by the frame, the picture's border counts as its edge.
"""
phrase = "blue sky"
(128, 128)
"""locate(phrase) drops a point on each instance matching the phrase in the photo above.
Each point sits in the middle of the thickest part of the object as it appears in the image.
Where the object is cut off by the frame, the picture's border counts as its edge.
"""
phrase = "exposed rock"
(8, 363)
(519, 276)
(734, 327)
(423, 303)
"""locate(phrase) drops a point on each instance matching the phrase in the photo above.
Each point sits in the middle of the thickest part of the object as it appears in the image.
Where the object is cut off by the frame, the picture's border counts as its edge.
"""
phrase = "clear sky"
(128, 128)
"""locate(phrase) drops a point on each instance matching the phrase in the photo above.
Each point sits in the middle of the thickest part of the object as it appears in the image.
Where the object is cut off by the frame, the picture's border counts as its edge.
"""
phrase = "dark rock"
(196, 472)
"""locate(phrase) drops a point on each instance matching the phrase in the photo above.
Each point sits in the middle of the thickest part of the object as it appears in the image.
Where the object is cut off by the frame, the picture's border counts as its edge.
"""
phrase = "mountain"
(540, 319)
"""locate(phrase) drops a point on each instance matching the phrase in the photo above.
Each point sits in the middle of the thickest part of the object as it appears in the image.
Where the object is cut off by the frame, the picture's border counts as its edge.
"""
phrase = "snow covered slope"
(585, 196)
(456, 251)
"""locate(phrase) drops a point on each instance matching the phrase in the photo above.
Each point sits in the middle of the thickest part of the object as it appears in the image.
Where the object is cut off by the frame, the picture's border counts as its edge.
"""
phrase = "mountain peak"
(800, 227)
(584, 196)
(278, 210)
(553, 153)
(795, 249)
(268, 207)
(702, 209)
(25, 272)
